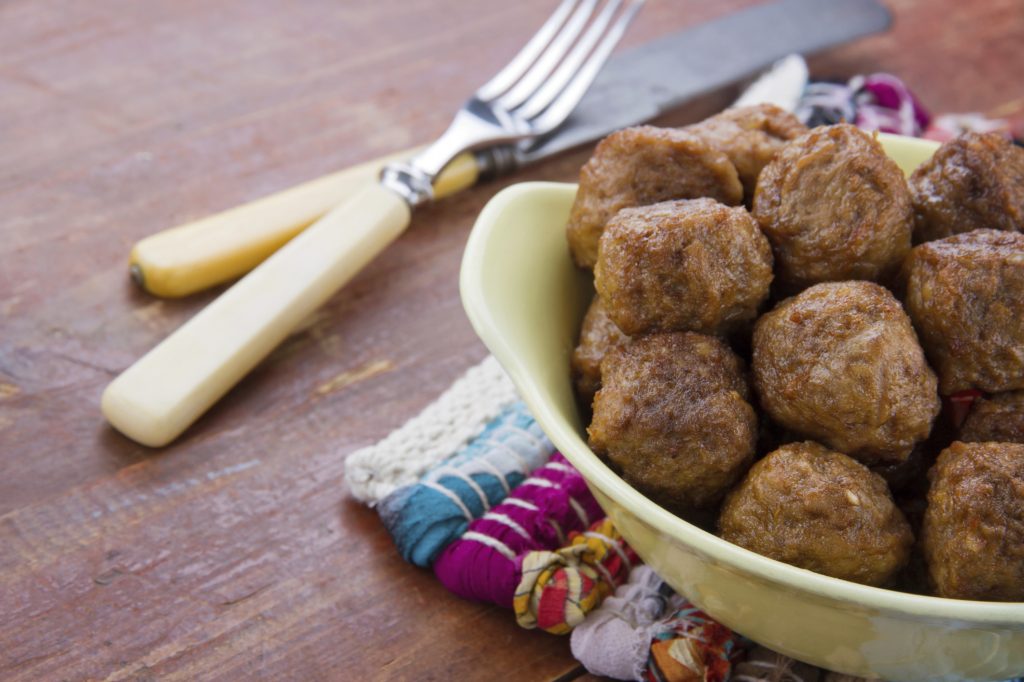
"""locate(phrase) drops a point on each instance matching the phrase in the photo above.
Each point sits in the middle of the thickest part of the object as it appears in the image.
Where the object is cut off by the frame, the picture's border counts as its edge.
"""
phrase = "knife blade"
(641, 83)
(635, 85)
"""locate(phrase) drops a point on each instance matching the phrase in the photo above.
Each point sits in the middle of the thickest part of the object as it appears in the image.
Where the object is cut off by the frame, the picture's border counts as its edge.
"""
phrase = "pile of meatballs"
(781, 316)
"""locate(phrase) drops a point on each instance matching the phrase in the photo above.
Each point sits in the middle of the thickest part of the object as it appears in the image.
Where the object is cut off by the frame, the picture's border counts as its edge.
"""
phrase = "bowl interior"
(526, 301)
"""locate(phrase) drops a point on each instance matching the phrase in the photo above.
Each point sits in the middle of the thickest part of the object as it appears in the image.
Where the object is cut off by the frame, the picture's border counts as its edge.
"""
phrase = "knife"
(634, 86)
(159, 396)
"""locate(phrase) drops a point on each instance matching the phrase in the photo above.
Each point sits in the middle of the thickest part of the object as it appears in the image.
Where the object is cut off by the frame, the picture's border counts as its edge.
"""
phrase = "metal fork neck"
(476, 125)
(408, 182)
(416, 187)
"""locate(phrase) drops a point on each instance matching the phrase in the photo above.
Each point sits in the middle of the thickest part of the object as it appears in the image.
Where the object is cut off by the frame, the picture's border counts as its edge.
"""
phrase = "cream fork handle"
(160, 395)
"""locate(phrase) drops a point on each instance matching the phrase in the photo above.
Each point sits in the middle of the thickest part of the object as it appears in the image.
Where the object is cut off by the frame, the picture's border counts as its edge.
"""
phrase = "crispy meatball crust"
(818, 509)
(672, 415)
(750, 137)
(598, 336)
(965, 294)
(973, 181)
(834, 207)
(690, 265)
(840, 363)
(999, 419)
(640, 166)
(973, 532)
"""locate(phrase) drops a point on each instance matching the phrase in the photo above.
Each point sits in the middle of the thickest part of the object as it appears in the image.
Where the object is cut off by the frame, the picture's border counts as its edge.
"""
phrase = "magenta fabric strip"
(484, 564)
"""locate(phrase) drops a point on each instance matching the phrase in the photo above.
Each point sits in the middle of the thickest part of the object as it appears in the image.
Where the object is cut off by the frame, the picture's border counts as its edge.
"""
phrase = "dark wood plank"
(237, 552)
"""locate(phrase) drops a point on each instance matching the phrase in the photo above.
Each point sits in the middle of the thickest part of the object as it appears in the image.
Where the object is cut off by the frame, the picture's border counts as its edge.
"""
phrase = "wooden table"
(238, 552)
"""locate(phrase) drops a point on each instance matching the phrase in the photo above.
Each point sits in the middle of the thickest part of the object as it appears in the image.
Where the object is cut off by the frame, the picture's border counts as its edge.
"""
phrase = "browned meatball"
(973, 532)
(672, 415)
(598, 336)
(998, 419)
(973, 181)
(818, 509)
(840, 363)
(834, 207)
(965, 295)
(639, 166)
(750, 137)
(690, 265)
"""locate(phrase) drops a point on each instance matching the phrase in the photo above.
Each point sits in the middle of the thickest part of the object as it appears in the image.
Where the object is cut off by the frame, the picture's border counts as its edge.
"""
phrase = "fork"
(527, 99)
(163, 392)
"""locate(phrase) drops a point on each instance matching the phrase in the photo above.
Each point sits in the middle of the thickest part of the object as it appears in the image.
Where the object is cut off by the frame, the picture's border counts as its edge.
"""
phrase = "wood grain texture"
(237, 552)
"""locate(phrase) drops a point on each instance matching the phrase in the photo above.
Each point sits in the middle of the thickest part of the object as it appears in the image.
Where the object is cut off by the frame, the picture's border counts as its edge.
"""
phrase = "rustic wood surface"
(238, 553)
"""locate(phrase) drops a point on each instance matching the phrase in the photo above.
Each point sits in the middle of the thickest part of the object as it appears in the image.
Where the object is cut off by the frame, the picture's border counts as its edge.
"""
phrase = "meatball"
(997, 419)
(973, 181)
(693, 265)
(750, 137)
(834, 207)
(672, 415)
(818, 509)
(598, 336)
(840, 363)
(639, 166)
(965, 294)
(973, 532)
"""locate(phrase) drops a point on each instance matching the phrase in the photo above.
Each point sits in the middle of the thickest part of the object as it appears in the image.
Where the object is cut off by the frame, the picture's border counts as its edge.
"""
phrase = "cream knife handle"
(157, 398)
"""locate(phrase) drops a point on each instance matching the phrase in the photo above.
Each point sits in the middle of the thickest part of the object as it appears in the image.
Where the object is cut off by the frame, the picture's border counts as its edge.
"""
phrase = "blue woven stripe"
(423, 520)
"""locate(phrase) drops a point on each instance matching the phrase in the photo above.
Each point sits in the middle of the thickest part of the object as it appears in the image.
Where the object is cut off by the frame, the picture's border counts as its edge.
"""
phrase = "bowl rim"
(471, 285)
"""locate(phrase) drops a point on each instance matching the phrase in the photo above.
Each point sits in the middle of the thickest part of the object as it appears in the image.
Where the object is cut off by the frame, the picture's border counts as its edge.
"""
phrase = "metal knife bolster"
(497, 161)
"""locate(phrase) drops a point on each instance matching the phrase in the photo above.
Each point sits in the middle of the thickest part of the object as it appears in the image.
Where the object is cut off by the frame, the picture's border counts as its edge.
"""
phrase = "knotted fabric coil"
(614, 640)
(557, 589)
(426, 517)
(630, 638)
(689, 646)
(483, 565)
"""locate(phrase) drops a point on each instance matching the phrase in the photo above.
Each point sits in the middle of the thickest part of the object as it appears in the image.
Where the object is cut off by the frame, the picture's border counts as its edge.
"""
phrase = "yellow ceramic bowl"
(526, 300)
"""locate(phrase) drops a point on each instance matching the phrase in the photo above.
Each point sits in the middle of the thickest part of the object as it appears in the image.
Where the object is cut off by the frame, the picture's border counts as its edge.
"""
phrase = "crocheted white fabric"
(435, 434)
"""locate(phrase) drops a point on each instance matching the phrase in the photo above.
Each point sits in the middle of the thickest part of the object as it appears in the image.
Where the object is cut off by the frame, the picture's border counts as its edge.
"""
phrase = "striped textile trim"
(508, 522)
(451, 496)
(493, 543)
(464, 477)
(516, 502)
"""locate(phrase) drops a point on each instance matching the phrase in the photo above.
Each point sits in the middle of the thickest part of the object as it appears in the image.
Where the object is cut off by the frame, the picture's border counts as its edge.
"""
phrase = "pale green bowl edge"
(500, 304)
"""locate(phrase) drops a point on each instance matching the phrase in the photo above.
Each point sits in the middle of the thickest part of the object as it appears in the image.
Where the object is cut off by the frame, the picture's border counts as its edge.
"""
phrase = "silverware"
(157, 398)
(530, 97)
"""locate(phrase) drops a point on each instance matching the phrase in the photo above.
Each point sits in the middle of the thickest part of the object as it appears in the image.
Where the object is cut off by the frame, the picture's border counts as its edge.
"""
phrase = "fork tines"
(546, 80)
